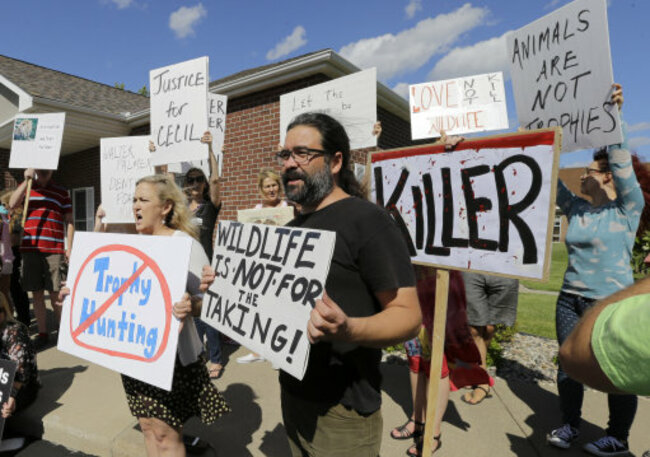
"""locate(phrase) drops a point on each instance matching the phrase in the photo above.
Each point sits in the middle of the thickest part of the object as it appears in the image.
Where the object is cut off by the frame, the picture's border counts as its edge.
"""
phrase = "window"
(83, 208)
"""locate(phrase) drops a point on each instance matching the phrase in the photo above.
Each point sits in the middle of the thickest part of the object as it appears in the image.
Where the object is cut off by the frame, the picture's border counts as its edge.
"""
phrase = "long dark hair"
(333, 138)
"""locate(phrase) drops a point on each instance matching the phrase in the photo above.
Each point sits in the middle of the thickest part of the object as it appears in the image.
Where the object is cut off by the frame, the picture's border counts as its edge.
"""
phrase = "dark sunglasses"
(194, 179)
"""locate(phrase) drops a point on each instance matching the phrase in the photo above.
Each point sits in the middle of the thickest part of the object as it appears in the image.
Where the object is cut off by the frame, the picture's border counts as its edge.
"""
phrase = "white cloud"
(183, 20)
(402, 89)
(413, 7)
(638, 141)
(551, 5)
(407, 51)
(288, 44)
(483, 57)
(640, 127)
(121, 4)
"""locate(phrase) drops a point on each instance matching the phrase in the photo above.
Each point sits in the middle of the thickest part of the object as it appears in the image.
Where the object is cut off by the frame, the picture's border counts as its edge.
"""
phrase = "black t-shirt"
(208, 213)
(370, 256)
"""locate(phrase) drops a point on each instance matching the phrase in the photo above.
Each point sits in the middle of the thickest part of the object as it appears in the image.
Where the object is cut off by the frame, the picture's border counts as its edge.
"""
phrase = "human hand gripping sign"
(327, 322)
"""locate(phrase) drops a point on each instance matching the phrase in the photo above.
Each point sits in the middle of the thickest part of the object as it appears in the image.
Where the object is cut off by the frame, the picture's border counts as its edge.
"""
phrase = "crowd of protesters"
(373, 298)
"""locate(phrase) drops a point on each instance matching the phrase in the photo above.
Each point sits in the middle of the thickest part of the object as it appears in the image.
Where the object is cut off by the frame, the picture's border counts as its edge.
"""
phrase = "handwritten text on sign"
(483, 207)
(123, 162)
(36, 141)
(179, 111)
(562, 75)
(462, 105)
(268, 279)
(118, 313)
(351, 100)
(7, 373)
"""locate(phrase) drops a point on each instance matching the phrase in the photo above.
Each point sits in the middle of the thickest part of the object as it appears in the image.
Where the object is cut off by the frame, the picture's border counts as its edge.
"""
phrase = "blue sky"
(409, 41)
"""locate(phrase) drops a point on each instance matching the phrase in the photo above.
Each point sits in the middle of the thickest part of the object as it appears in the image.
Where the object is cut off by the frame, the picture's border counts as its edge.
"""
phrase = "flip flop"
(416, 449)
(215, 371)
(469, 402)
(403, 433)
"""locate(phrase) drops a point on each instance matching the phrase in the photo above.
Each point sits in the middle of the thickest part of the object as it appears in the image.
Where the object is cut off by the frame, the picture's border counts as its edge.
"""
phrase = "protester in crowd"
(270, 185)
(335, 409)
(418, 352)
(491, 300)
(16, 345)
(6, 254)
(160, 209)
(204, 199)
(599, 242)
(18, 295)
(49, 221)
(609, 349)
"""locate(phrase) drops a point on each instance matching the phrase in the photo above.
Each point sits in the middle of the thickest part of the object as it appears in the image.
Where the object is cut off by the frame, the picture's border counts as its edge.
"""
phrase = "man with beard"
(369, 301)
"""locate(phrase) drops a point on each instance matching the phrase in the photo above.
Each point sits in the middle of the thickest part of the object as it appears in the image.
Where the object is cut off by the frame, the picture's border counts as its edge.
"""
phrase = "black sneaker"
(563, 436)
(607, 446)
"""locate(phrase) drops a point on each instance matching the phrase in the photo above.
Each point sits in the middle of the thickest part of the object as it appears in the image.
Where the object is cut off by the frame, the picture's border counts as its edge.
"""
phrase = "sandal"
(471, 401)
(416, 449)
(215, 370)
(403, 433)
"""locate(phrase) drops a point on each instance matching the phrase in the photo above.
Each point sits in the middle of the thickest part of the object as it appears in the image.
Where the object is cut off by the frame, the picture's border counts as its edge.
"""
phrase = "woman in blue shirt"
(599, 242)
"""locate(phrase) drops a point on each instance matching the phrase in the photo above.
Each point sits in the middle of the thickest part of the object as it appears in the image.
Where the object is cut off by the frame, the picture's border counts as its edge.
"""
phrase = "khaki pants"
(335, 432)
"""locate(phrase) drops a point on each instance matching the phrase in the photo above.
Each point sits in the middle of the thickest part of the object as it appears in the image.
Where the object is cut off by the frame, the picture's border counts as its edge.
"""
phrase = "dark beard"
(314, 187)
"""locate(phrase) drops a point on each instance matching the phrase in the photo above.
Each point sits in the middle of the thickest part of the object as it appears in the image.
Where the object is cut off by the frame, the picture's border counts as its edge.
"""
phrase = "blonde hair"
(167, 191)
(5, 196)
(268, 173)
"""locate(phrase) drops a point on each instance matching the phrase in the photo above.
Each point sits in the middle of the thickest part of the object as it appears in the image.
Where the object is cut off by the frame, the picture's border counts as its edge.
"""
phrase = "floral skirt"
(192, 394)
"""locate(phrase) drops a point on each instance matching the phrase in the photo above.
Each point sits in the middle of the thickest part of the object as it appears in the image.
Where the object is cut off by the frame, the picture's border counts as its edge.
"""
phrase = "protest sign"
(562, 75)
(119, 311)
(123, 162)
(462, 105)
(7, 373)
(37, 141)
(351, 100)
(179, 111)
(269, 216)
(217, 105)
(487, 206)
(268, 279)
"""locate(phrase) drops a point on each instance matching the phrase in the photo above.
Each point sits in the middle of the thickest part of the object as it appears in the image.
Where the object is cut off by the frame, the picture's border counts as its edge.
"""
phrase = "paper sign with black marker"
(461, 105)
(119, 311)
(562, 75)
(123, 161)
(268, 279)
(351, 100)
(487, 206)
(36, 141)
(179, 111)
(7, 373)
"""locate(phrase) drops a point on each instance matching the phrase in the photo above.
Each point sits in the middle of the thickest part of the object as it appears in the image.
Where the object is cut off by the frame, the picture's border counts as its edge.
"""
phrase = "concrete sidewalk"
(82, 407)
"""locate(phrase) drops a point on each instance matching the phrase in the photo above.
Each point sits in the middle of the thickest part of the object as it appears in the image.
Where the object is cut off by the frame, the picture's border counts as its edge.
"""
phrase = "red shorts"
(418, 364)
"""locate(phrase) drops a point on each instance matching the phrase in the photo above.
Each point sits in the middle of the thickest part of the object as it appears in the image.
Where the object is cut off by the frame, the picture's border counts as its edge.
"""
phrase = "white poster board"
(119, 311)
(461, 105)
(37, 141)
(123, 161)
(217, 105)
(269, 216)
(268, 279)
(351, 100)
(488, 206)
(179, 111)
(562, 75)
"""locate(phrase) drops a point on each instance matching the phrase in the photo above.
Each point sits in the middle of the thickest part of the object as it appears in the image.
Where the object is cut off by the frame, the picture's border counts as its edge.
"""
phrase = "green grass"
(556, 276)
(536, 314)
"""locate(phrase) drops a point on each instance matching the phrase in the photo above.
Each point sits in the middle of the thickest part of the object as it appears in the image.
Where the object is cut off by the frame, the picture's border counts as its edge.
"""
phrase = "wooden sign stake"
(437, 348)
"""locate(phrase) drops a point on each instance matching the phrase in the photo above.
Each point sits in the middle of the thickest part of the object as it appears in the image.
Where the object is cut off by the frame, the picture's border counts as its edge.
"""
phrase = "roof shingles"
(55, 85)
